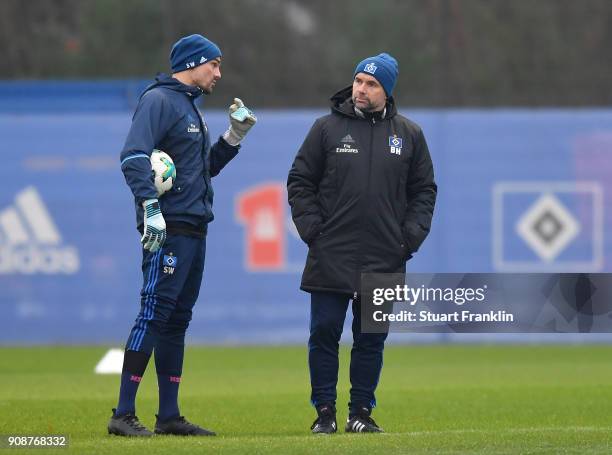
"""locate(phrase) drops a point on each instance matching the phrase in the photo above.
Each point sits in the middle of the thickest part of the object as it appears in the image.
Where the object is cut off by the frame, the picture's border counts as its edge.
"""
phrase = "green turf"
(432, 399)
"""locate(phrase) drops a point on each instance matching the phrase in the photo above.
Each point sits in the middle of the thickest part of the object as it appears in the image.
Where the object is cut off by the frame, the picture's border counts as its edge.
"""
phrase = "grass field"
(432, 399)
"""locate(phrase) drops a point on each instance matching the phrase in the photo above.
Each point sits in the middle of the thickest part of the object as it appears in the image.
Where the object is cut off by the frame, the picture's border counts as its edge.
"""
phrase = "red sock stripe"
(135, 378)
(175, 379)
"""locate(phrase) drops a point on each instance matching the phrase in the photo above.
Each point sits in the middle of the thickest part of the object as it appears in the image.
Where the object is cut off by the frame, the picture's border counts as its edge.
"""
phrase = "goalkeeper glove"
(241, 121)
(154, 234)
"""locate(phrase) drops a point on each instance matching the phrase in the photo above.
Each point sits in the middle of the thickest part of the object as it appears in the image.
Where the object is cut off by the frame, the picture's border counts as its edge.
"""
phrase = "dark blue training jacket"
(167, 119)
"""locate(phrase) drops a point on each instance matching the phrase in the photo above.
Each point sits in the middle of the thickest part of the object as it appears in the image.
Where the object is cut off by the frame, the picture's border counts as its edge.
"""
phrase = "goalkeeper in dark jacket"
(362, 197)
(174, 226)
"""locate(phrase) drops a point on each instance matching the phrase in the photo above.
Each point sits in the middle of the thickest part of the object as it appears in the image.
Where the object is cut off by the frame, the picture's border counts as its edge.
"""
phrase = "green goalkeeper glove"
(154, 234)
(242, 120)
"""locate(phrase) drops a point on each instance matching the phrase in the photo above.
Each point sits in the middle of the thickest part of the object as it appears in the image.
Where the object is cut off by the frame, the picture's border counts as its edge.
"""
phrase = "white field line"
(504, 430)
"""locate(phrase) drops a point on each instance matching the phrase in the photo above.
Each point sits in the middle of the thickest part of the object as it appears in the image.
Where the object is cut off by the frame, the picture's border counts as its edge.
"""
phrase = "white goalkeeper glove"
(241, 121)
(154, 233)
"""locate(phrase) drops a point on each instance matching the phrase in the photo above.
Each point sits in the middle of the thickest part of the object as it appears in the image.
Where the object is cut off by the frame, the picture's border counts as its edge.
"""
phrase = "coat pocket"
(403, 244)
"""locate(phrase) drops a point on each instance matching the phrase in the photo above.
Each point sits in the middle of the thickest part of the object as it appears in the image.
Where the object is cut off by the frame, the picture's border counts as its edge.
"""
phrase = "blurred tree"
(298, 52)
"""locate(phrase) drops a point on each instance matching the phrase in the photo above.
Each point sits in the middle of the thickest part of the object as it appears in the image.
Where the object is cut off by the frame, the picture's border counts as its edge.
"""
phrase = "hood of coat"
(163, 80)
(342, 103)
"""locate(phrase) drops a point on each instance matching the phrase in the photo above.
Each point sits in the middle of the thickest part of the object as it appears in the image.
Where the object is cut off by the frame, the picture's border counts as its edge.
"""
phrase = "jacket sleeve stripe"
(140, 155)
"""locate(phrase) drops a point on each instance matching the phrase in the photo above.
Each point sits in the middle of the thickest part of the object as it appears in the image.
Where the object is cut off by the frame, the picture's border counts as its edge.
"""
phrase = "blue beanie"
(383, 67)
(191, 51)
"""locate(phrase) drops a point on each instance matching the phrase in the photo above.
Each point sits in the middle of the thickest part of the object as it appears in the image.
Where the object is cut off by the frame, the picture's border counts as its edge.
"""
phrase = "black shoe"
(326, 420)
(361, 422)
(182, 427)
(127, 425)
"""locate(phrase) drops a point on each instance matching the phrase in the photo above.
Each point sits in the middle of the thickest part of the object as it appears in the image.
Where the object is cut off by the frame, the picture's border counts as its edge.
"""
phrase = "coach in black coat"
(362, 196)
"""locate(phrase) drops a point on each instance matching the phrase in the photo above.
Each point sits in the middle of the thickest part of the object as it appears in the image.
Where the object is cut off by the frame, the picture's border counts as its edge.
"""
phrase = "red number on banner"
(262, 211)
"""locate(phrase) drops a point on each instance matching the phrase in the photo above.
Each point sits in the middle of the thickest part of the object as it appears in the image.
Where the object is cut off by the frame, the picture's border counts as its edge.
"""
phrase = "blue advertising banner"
(519, 191)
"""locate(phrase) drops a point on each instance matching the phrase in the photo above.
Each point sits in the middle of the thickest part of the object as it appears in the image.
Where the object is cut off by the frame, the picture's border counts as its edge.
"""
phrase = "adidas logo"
(29, 240)
(348, 139)
(318, 427)
(357, 426)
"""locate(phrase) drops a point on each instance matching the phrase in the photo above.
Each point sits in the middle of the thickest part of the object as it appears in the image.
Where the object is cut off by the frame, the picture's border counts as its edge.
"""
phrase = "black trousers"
(327, 314)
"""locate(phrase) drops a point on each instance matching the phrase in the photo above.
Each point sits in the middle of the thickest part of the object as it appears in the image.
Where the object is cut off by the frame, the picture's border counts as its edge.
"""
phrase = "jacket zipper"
(203, 152)
(365, 205)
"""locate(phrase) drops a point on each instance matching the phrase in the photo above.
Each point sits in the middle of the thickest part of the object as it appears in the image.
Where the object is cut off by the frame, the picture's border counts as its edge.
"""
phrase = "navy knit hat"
(383, 67)
(191, 51)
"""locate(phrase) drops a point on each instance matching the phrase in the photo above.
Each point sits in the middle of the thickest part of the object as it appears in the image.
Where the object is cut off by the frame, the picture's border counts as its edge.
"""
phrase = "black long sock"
(134, 366)
(169, 365)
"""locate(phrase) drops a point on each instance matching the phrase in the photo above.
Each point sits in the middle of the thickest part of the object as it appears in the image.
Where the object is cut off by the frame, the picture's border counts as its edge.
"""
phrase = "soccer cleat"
(127, 425)
(180, 426)
(361, 422)
(326, 420)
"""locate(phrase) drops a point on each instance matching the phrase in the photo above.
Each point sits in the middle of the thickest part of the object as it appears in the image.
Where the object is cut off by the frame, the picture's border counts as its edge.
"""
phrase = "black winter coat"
(362, 195)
